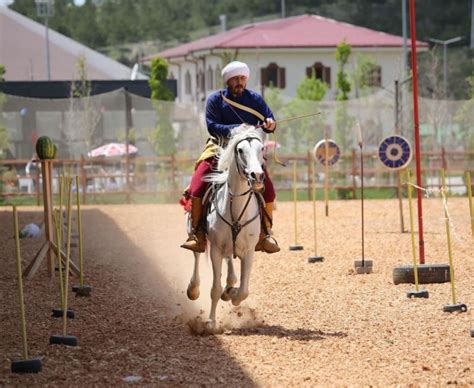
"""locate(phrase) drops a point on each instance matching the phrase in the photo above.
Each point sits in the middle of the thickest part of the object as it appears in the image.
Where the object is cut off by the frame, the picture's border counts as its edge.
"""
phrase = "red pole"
(417, 130)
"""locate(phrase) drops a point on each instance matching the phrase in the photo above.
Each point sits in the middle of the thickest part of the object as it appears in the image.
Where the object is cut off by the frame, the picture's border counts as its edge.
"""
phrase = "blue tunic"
(222, 117)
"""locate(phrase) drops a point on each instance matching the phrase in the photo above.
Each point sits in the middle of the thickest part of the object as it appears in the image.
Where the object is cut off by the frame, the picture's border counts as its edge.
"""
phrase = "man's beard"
(237, 90)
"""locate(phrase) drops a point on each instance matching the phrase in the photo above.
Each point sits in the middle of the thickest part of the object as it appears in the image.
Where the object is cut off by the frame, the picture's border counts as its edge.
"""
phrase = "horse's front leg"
(194, 283)
(216, 290)
(245, 269)
(230, 281)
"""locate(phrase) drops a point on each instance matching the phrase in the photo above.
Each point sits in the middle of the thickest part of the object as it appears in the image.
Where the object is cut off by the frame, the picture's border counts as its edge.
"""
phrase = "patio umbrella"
(112, 149)
(272, 144)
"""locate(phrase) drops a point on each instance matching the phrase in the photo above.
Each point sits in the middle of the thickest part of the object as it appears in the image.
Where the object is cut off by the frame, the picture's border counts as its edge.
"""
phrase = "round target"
(395, 152)
(319, 152)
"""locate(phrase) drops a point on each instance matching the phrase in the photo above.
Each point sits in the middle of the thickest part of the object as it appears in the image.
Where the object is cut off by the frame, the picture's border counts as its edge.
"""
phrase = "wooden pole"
(46, 170)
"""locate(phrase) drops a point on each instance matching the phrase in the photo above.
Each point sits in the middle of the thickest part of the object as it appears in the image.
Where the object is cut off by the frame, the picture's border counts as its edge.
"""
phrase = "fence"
(162, 179)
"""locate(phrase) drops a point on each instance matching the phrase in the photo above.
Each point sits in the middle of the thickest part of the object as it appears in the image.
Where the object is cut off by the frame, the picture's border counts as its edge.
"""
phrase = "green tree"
(273, 98)
(162, 137)
(343, 120)
(465, 118)
(363, 74)
(312, 88)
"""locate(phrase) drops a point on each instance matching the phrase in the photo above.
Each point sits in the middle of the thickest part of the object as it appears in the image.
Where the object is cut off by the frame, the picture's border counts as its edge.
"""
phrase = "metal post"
(417, 131)
(404, 31)
(445, 60)
(48, 63)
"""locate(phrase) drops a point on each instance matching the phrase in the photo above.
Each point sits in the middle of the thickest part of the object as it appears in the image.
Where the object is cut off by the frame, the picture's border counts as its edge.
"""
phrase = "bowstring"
(275, 157)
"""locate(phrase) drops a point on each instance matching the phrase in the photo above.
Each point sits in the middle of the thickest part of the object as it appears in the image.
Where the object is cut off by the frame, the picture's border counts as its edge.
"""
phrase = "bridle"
(235, 224)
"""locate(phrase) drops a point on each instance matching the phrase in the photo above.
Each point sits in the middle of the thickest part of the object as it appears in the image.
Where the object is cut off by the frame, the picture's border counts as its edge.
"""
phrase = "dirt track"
(303, 324)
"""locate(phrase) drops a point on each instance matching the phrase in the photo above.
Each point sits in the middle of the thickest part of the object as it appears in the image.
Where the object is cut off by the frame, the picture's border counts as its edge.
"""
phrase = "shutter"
(263, 77)
(281, 78)
(327, 75)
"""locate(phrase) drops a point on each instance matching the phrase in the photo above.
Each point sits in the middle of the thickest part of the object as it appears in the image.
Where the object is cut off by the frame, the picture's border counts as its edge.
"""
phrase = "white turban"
(235, 68)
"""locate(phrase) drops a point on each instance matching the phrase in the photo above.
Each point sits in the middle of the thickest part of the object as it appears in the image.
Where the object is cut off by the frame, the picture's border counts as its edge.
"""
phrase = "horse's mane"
(226, 155)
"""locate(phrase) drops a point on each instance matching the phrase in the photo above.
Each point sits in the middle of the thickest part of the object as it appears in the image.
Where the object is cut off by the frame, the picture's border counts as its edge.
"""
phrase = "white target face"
(333, 152)
(395, 152)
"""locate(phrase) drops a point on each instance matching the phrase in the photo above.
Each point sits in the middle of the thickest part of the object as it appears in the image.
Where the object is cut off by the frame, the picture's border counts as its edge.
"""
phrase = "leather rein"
(235, 223)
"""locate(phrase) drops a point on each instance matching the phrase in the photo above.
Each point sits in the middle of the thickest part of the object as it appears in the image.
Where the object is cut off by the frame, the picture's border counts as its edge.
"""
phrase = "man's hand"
(269, 125)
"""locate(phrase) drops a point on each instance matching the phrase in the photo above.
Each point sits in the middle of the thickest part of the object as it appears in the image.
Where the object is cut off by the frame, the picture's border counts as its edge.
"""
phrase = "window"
(187, 83)
(322, 72)
(200, 81)
(273, 75)
(374, 76)
(218, 79)
(210, 79)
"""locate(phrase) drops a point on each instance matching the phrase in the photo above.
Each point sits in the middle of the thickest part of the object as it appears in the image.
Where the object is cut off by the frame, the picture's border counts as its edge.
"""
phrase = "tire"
(427, 273)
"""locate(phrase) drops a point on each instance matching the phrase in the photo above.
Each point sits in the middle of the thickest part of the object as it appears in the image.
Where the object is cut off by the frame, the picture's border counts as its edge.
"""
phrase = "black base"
(363, 268)
(418, 294)
(296, 247)
(69, 340)
(451, 308)
(26, 366)
(82, 290)
(315, 259)
(58, 313)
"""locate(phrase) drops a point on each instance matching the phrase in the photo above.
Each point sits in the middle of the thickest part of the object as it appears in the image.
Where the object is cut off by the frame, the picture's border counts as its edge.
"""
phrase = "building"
(23, 53)
(282, 52)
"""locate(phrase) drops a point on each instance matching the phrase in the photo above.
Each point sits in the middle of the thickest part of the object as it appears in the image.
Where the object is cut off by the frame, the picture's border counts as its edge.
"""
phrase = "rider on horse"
(227, 109)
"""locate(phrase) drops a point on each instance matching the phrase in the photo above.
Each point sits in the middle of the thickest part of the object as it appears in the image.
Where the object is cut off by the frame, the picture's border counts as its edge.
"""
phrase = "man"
(227, 109)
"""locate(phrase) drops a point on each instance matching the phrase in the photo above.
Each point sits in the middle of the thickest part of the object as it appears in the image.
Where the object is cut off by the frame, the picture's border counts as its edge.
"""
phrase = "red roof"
(302, 31)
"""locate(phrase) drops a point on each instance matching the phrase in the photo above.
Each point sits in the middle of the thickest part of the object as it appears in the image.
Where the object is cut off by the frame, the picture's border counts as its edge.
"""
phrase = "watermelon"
(45, 148)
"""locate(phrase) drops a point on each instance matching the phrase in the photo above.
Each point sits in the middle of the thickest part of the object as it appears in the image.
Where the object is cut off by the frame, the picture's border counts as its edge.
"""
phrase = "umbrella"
(112, 149)
(272, 144)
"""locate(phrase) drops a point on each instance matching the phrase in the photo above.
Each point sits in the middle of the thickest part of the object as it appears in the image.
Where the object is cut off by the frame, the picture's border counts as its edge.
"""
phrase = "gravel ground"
(303, 324)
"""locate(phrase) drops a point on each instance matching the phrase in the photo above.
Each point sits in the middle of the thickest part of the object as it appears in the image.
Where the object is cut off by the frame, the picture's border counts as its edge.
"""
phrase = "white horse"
(234, 217)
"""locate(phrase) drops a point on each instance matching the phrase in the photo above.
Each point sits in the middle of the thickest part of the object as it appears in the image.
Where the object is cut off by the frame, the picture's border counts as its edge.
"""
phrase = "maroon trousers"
(198, 187)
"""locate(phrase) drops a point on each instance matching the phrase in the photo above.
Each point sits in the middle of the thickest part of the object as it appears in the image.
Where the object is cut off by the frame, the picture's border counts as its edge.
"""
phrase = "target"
(395, 152)
(319, 152)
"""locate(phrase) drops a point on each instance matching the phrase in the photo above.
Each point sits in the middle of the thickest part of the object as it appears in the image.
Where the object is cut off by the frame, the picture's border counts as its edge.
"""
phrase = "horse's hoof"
(226, 295)
(210, 326)
(192, 292)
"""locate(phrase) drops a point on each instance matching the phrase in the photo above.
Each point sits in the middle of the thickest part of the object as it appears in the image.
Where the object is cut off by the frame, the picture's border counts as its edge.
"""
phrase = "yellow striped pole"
(295, 198)
(79, 226)
(68, 252)
(412, 232)
(469, 195)
(448, 234)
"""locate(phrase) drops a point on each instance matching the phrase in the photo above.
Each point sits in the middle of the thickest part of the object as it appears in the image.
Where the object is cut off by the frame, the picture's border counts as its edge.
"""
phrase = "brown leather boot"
(196, 242)
(267, 243)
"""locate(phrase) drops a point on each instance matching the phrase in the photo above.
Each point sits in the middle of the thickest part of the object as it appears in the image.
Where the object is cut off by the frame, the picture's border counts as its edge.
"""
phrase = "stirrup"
(273, 248)
(194, 244)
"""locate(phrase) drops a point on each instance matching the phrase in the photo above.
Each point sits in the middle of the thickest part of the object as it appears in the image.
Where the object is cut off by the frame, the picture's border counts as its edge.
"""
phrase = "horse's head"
(246, 147)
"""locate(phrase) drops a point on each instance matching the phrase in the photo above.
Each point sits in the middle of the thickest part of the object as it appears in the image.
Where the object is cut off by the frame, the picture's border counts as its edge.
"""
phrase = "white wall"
(295, 62)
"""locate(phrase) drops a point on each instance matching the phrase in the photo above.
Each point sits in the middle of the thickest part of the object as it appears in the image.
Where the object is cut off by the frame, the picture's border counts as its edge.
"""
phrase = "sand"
(303, 324)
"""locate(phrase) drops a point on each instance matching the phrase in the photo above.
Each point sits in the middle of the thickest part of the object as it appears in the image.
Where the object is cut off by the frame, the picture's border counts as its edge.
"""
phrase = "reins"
(235, 225)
